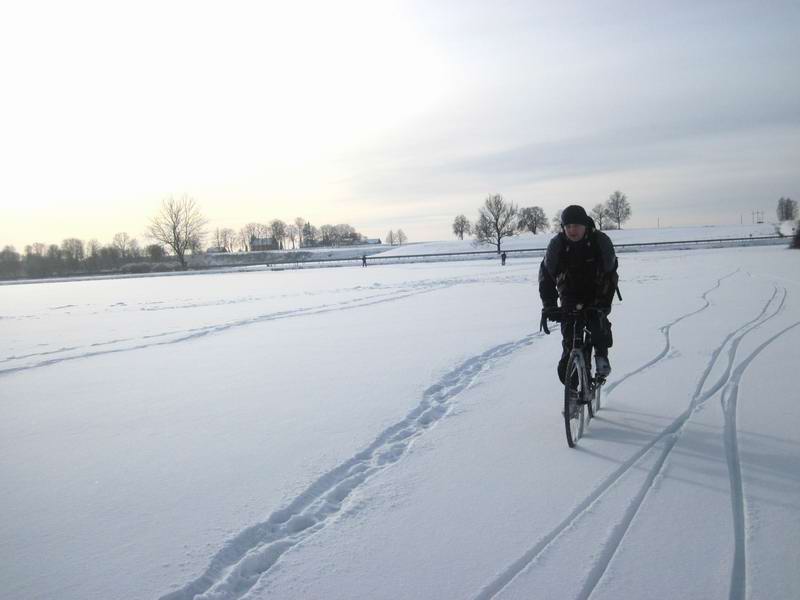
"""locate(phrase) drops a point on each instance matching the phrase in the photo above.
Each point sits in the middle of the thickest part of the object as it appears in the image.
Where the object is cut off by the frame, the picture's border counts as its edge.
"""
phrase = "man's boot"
(602, 366)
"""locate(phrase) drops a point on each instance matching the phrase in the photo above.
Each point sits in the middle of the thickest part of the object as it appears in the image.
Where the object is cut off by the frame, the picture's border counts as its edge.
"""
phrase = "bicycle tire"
(575, 392)
(594, 405)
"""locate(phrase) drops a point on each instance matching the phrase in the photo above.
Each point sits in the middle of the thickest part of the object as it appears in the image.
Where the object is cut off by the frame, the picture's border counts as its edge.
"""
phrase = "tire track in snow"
(671, 433)
(729, 401)
(664, 329)
(198, 332)
(248, 556)
(699, 398)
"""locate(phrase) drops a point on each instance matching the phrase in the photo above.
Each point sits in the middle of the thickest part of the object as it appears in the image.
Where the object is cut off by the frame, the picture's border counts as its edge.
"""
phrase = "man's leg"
(600, 328)
(566, 347)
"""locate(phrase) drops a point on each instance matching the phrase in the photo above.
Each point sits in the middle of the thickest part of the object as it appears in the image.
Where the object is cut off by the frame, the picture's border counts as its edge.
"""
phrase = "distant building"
(260, 244)
(372, 241)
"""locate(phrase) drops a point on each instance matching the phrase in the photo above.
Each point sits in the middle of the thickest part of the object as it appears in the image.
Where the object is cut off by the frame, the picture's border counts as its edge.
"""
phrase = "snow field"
(396, 432)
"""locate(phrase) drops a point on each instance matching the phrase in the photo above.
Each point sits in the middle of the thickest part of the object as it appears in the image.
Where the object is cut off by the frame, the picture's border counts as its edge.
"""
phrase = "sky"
(391, 115)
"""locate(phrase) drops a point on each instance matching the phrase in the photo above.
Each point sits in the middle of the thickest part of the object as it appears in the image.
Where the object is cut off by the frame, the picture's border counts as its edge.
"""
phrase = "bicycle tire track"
(729, 401)
(249, 555)
(198, 332)
(610, 549)
(665, 329)
(699, 398)
(671, 433)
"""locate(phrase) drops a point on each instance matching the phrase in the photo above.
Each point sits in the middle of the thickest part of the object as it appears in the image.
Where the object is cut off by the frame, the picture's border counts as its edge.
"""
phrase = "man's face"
(575, 232)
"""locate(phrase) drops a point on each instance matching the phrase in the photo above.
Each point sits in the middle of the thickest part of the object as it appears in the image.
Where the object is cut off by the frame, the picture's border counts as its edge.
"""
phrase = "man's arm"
(547, 275)
(608, 279)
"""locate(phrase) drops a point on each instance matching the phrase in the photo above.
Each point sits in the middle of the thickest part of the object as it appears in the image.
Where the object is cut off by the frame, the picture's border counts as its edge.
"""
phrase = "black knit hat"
(574, 215)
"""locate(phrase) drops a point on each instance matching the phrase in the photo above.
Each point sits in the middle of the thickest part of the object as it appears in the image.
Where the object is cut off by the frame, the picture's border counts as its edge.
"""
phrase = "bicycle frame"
(583, 391)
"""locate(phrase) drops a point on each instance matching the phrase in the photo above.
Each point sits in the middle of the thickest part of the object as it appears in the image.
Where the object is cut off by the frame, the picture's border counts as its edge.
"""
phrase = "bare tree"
(555, 222)
(390, 238)
(327, 234)
(497, 219)
(155, 251)
(72, 250)
(532, 219)
(787, 209)
(310, 235)
(92, 248)
(618, 209)
(228, 238)
(300, 223)
(292, 233)
(600, 216)
(10, 262)
(278, 230)
(461, 226)
(134, 250)
(250, 231)
(179, 225)
(224, 238)
(122, 242)
(401, 237)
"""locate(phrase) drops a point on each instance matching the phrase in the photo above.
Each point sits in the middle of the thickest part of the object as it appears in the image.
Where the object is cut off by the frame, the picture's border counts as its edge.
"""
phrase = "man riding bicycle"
(580, 268)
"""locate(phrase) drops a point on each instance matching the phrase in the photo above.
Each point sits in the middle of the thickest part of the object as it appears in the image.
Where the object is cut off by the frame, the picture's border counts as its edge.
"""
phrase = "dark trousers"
(600, 339)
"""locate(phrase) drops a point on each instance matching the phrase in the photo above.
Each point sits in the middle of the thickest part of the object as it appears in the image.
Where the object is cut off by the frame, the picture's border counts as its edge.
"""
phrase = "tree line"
(498, 219)
(178, 229)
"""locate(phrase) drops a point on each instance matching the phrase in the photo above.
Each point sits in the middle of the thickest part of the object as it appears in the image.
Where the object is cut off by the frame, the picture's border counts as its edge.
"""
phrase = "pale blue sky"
(393, 114)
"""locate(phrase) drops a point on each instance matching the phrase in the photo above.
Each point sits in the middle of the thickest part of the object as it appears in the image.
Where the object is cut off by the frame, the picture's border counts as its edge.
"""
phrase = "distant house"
(372, 241)
(216, 250)
(260, 244)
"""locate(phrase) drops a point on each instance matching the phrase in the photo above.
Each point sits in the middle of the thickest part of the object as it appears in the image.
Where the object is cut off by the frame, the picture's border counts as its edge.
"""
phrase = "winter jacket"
(583, 272)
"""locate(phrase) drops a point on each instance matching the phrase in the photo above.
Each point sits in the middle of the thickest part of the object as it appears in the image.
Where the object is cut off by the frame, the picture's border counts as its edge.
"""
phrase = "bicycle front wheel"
(594, 405)
(575, 392)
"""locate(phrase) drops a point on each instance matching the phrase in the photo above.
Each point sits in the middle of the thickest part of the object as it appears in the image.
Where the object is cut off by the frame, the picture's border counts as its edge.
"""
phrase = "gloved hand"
(551, 313)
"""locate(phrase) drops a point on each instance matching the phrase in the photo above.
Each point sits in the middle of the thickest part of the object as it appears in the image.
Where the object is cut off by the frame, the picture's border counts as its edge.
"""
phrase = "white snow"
(395, 432)
(528, 241)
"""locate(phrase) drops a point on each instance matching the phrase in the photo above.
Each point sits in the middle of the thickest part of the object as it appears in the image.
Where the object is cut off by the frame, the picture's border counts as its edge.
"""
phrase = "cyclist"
(580, 267)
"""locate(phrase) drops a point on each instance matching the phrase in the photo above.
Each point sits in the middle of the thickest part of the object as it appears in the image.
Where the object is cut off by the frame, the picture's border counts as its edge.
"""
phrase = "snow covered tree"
(461, 226)
(618, 209)
(497, 219)
(390, 239)
(400, 237)
(533, 219)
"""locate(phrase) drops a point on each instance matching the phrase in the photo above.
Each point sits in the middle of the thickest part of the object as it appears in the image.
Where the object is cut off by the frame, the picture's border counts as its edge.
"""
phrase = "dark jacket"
(583, 272)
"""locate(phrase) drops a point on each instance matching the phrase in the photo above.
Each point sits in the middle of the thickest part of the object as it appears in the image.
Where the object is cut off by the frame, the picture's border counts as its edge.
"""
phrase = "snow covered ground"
(395, 432)
(526, 241)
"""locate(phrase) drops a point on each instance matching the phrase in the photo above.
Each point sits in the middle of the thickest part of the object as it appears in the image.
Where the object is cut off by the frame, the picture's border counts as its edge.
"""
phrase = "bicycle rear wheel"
(575, 394)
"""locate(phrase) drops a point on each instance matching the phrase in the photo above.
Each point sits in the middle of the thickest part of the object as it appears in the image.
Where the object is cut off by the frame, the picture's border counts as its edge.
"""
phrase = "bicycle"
(581, 389)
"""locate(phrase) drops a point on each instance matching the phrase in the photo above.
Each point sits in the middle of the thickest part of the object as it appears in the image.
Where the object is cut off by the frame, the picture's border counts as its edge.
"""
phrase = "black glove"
(551, 313)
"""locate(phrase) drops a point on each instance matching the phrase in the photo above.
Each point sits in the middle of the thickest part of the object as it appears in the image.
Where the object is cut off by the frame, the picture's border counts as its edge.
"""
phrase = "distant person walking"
(363, 260)
(503, 259)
